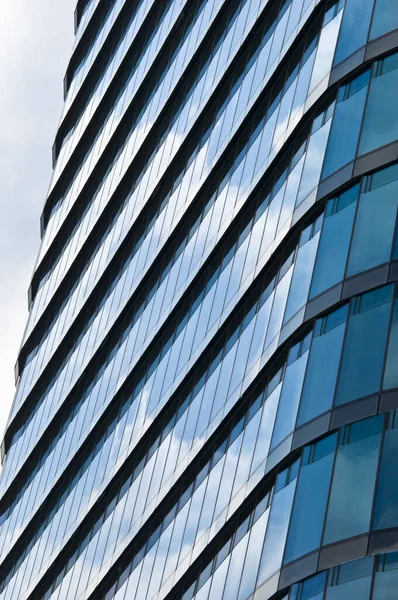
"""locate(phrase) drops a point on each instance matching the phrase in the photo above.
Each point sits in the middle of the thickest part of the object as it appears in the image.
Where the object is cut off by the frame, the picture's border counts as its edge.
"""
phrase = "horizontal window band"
(241, 135)
(29, 349)
(80, 9)
(165, 118)
(377, 181)
(230, 235)
(355, 414)
(204, 196)
(99, 16)
(109, 583)
(114, 89)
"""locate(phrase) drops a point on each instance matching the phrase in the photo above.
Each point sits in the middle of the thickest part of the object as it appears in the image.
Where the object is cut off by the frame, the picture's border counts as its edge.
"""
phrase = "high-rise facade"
(207, 388)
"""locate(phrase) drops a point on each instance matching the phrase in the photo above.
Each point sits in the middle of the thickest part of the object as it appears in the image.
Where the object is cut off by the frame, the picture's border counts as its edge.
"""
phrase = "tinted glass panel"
(386, 580)
(354, 28)
(385, 18)
(352, 580)
(391, 369)
(320, 380)
(346, 125)
(309, 505)
(289, 400)
(354, 480)
(271, 558)
(374, 228)
(386, 508)
(364, 347)
(334, 243)
(380, 125)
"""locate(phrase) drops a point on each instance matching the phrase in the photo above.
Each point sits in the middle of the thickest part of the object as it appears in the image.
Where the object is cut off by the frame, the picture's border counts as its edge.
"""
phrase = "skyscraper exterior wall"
(207, 388)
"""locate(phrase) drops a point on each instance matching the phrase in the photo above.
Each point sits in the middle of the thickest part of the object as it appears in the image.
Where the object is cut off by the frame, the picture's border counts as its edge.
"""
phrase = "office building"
(207, 388)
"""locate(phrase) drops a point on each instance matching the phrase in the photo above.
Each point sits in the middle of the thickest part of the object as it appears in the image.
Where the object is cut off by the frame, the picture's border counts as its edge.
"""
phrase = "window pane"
(354, 480)
(253, 554)
(313, 162)
(353, 580)
(381, 116)
(374, 228)
(334, 243)
(309, 507)
(364, 348)
(354, 28)
(386, 581)
(386, 508)
(391, 369)
(320, 380)
(301, 279)
(289, 400)
(385, 18)
(324, 55)
(345, 129)
(276, 533)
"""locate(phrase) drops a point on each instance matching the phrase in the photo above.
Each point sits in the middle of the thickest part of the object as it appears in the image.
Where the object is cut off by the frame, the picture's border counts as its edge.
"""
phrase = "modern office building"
(207, 388)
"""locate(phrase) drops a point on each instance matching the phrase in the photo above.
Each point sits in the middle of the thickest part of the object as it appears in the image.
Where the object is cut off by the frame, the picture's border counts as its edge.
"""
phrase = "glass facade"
(207, 387)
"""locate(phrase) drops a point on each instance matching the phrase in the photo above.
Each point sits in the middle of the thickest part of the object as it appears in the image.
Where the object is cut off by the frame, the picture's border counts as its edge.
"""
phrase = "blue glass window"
(380, 124)
(289, 400)
(354, 28)
(351, 580)
(386, 507)
(385, 18)
(320, 379)
(343, 139)
(386, 580)
(314, 159)
(310, 501)
(391, 369)
(335, 241)
(374, 228)
(301, 279)
(364, 346)
(354, 478)
(312, 588)
(271, 558)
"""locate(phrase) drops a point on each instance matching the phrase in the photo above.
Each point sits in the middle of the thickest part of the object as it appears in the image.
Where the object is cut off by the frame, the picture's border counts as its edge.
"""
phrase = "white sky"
(36, 38)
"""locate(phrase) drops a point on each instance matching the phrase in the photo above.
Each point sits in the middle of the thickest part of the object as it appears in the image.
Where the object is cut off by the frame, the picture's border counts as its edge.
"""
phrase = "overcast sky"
(36, 38)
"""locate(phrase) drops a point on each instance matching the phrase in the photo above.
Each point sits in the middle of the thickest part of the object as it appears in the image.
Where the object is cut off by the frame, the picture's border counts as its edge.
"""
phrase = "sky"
(36, 42)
